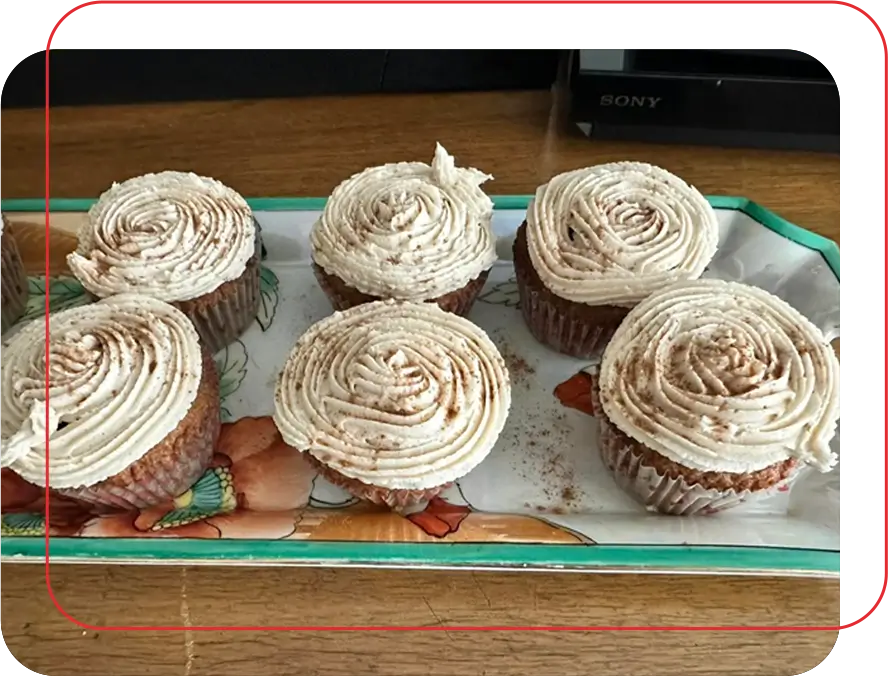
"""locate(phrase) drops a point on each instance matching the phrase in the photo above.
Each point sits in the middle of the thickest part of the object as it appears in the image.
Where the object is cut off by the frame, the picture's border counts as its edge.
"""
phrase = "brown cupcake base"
(13, 280)
(342, 296)
(172, 466)
(395, 498)
(574, 329)
(223, 315)
(665, 486)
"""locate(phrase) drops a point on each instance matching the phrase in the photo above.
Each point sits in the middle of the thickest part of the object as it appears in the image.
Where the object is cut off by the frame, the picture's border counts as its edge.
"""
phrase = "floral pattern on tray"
(504, 293)
(260, 488)
(64, 293)
(543, 484)
(67, 292)
(257, 487)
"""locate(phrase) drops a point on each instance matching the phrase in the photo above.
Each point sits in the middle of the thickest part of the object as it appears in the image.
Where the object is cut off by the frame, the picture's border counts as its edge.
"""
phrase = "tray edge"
(806, 238)
(530, 556)
(606, 558)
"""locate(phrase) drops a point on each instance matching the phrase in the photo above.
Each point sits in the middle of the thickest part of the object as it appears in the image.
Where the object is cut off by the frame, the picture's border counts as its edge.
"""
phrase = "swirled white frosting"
(397, 395)
(614, 233)
(173, 236)
(123, 372)
(721, 376)
(407, 231)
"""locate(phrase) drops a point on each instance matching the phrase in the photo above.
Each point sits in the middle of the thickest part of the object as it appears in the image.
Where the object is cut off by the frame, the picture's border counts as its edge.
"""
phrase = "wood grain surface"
(304, 148)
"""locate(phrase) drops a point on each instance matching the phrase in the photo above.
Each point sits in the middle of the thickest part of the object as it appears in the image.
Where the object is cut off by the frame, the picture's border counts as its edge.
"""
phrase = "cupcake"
(133, 413)
(714, 393)
(181, 238)
(599, 240)
(393, 401)
(14, 287)
(406, 231)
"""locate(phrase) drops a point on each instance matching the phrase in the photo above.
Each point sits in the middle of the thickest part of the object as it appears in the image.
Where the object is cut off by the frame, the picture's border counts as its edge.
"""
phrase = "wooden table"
(303, 148)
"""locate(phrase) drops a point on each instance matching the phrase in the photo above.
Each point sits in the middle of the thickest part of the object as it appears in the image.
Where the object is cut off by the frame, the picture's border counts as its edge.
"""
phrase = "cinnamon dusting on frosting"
(614, 233)
(173, 236)
(409, 231)
(122, 372)
(720, 376)
(394, 394)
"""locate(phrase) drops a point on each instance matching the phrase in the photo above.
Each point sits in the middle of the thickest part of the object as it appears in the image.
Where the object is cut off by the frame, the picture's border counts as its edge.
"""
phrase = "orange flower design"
(576, 392)
(260, 488)
(440, 521)
(24, 513)
(16, 492)
(256, 488)
(440, 518)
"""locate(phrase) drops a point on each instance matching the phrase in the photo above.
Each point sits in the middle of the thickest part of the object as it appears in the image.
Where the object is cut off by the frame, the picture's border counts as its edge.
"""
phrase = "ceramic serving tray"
(541, 500)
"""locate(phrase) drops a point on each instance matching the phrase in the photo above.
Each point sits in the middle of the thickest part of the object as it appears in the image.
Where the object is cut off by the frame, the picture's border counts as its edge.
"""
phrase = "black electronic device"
(749, 98)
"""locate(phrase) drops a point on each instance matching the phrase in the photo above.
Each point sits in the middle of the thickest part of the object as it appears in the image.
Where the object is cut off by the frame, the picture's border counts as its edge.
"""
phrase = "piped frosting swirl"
(173, 236)
(408, 231)
(721, 376)
(122, 372)
(397, 395)
(614, 233)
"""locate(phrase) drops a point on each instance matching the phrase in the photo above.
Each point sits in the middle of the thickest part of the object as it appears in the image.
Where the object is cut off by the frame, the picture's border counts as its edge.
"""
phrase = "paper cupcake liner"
(664, 494)
(173, 466)
(342, 296)
(13, 282)
(223, 315)
(574, 329)
(594, 398)
(395, 498)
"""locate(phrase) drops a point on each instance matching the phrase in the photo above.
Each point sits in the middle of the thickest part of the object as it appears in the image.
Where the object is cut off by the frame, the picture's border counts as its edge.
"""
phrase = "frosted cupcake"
(393, 401)
(133, 403)
(599, 240)
(406, 231)
(181, 238)
(13, 280)
(714, 393)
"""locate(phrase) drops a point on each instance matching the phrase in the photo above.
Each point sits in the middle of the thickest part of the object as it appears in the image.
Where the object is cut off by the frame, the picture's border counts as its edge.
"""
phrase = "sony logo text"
(624, 101)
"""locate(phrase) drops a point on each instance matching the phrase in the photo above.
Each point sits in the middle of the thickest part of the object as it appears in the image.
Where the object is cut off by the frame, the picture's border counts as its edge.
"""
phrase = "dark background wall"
(84, 77)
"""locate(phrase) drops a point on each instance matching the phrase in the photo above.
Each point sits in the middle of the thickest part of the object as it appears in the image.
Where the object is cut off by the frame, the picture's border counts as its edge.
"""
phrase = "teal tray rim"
(699, 558)
(810, 240)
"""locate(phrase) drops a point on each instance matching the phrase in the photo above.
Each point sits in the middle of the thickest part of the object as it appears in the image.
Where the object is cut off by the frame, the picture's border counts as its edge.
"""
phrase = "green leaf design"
(36, 286)
(263, 251)
(213, 494)
(231, 363)
(64, 293)
(268, 297)
(21, 525)
(504, 293)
